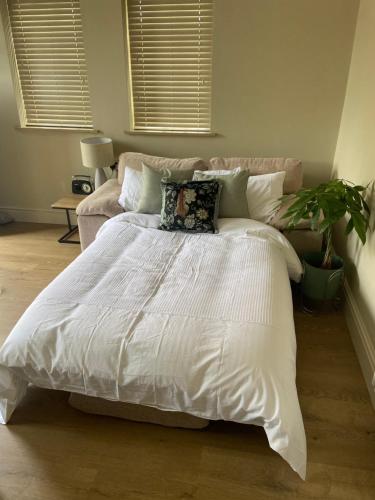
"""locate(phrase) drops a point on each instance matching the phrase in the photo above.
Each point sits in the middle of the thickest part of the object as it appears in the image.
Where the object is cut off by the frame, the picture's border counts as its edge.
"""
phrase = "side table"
(67, 203)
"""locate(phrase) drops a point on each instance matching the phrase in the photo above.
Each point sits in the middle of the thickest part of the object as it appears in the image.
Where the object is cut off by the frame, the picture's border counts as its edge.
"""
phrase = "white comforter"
(196, 323)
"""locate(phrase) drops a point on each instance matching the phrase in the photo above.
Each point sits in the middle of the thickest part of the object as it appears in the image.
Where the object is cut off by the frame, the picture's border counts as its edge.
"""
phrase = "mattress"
(194, 323)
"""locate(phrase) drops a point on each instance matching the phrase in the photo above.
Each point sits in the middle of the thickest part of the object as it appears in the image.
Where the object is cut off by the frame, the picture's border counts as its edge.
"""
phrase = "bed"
(195, 323)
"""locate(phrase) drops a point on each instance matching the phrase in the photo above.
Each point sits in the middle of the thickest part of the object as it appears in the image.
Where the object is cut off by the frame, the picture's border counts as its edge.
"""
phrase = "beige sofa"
(101, 205)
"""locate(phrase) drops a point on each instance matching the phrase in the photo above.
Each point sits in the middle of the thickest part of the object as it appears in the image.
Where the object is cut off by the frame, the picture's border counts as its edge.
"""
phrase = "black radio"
(81, 184)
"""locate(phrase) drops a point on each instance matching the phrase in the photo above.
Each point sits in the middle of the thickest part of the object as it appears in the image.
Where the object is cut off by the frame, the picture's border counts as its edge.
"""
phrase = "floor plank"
(50, 451)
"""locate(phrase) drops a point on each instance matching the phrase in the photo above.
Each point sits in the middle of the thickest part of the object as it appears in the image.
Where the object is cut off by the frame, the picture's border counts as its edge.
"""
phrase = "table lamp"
(97, 152)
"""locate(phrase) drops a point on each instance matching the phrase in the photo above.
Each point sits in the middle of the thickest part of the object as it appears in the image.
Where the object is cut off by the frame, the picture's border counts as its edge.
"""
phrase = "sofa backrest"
(135, 160)
(257, 166)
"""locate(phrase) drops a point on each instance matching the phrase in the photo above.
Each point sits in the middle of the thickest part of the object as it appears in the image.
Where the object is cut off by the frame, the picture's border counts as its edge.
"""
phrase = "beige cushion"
(135, 412)
(256, 166)
(135, 160)
(103, 201)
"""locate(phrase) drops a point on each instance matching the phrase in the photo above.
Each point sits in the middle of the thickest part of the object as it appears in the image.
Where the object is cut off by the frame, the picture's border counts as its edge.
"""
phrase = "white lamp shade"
(97, 152)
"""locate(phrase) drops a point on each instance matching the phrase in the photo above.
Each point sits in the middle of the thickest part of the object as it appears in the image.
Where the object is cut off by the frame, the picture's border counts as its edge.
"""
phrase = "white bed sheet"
(196, 323)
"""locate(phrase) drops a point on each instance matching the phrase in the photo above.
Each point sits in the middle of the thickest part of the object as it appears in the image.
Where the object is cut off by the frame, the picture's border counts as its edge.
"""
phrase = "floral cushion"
(190, 206)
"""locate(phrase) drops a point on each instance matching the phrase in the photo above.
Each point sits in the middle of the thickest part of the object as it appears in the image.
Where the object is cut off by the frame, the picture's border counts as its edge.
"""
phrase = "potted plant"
(323, 206)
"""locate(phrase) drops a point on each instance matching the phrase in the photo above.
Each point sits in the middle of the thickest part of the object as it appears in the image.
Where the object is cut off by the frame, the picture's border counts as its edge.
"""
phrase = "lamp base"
(100, 177)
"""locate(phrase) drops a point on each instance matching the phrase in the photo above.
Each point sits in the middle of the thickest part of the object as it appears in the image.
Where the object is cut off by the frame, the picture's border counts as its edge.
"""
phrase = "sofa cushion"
(191, 206)
(150, 201)
(135, 160)
(233, 200)
(131, 189)
(256, 166)
(103, 201)
(263, 194)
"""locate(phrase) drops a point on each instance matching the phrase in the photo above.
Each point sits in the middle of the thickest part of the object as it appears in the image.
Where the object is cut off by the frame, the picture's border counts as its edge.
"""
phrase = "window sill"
(59, 129)
(170, 133)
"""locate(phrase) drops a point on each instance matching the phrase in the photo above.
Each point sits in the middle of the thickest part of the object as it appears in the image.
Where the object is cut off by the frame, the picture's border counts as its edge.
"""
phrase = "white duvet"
(182, 322)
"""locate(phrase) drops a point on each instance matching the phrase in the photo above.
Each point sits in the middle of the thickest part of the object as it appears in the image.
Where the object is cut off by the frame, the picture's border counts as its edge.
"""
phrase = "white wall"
(280, 72)
(355, 161)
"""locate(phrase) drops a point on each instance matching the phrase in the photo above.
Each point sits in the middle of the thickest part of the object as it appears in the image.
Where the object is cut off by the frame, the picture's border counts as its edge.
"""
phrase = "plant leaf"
(324, 225)
(349, 226)
(333, 200)
(360, 226)
(365, 206)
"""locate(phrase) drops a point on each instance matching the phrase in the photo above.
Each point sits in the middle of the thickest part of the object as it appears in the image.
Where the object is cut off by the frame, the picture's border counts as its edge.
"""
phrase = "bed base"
(137, 413)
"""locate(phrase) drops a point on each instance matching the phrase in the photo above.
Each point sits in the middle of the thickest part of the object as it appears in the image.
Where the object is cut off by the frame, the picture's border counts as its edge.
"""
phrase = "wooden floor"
(50, 451)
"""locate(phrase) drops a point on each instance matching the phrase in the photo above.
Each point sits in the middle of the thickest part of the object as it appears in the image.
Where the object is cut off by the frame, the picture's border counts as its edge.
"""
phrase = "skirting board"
(361, 339)
(40, 215)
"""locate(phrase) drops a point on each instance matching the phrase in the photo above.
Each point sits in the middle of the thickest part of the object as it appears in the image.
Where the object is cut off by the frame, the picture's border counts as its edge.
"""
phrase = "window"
(48, 61)
(170, 58)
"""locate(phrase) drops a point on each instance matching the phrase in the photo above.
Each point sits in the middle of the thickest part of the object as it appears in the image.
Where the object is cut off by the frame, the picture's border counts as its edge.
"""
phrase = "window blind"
(170, 56)
(49, 55)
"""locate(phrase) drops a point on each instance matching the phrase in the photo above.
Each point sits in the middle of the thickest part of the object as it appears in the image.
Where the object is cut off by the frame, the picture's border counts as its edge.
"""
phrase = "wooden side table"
(67, 203)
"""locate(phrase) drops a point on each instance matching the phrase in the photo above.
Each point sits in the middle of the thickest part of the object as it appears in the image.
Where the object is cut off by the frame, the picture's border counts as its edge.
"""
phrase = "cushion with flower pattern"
(191, 206)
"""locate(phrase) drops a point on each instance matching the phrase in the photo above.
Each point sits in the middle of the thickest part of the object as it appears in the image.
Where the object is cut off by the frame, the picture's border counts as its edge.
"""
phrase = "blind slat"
(57, 107)
(49, 51)
(170, 57)
(177, 107)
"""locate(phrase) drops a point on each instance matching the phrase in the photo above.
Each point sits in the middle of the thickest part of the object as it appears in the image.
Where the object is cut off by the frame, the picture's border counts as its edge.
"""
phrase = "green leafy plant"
(325, 205)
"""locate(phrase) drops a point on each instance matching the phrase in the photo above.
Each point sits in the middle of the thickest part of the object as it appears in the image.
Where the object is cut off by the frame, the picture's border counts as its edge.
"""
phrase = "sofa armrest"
(304, 240)
(88, 226)
(103, 201)
(276, 220)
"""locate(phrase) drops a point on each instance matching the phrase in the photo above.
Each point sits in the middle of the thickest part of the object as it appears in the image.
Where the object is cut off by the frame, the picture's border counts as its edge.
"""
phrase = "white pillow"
(218, 172)
(131, 189)
(263, 193)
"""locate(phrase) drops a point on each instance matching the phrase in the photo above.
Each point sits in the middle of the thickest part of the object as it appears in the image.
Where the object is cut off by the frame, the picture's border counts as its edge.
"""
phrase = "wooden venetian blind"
(49, 58)
(170, 54)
